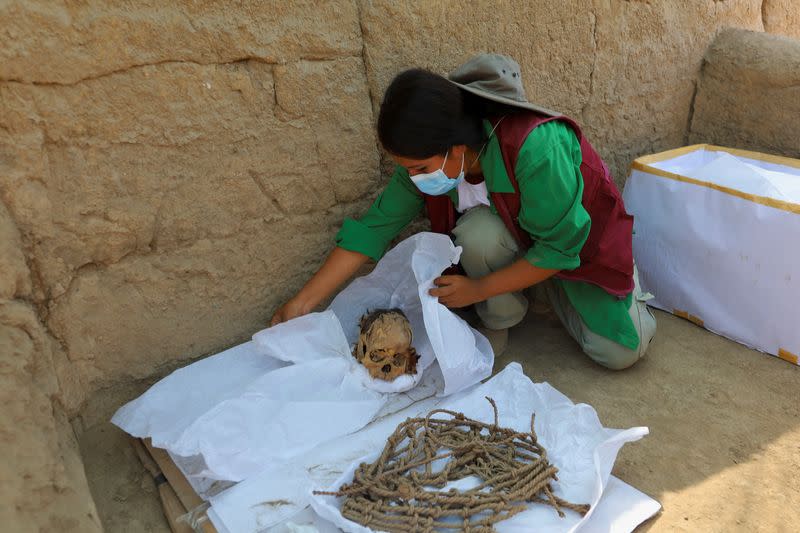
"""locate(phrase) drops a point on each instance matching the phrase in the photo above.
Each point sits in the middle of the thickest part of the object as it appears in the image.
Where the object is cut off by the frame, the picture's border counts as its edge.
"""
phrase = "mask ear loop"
(445, 160)
(486, 143)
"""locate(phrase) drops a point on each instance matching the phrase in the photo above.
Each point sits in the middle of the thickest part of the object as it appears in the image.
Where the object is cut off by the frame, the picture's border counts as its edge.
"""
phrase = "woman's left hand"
(457, 291)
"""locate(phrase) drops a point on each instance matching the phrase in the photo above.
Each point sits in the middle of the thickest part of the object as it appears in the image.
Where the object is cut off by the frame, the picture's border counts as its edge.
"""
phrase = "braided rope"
(396, 493)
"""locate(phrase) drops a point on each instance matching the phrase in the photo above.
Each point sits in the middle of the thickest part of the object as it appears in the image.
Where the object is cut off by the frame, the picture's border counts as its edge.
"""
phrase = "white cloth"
(748, 175)
(717, 257)
(576, 442)
(298, 385)
(471, 195)
(402, 279)
(290, 411)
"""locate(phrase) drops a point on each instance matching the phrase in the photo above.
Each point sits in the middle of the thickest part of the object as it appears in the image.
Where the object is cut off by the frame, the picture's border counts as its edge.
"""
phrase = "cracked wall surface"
(171, 193)
(44, 486)
(171, 172)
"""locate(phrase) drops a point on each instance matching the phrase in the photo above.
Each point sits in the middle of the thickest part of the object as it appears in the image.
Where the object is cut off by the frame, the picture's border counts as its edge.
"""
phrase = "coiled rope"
(398, 492)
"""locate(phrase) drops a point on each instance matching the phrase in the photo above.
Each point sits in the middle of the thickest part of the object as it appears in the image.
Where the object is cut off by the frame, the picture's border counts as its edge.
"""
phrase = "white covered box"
(717, 241)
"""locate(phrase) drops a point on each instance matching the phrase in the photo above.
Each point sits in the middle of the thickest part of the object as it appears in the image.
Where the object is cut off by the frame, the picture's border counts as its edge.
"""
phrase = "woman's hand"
(291, 309)
(461, 291)
(340, 265)
(458, 291)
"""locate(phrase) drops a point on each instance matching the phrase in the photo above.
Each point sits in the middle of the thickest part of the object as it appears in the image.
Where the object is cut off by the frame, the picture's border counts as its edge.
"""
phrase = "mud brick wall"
(171, 171)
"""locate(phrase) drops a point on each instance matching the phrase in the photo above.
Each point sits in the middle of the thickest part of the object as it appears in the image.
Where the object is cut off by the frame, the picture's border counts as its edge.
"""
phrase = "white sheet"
(291, 410)
(727, 261)
(297, 385)
(620, 510)
(748, 175)
(576, 443)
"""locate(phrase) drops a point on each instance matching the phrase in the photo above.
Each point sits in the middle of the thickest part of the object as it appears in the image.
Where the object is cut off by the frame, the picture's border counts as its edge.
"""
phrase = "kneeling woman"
(521, 190)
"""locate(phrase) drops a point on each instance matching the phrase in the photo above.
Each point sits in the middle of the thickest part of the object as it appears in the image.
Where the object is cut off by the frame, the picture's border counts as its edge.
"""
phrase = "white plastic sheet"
(576, 443)
(402, 279)
(290, 411)
(715, 240)
(298, 384)
(738, 172)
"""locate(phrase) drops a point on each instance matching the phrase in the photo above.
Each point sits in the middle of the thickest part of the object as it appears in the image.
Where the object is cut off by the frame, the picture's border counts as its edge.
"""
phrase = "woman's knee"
(485, 241)
(613, 356)
(488, 254)
(620, 361)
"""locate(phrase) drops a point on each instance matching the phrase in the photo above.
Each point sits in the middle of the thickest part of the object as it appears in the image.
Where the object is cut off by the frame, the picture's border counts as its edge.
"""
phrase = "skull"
(384, 345)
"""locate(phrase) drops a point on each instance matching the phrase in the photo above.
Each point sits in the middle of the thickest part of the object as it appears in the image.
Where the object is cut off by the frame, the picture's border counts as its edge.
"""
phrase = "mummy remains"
(384, 344)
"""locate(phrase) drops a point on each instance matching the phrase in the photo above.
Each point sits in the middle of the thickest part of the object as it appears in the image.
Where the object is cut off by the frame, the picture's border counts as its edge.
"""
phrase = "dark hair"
(423, 114)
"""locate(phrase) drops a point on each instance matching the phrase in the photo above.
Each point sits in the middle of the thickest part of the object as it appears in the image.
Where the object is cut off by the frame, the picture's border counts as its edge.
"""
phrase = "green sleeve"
(393, 210)
(551, 192)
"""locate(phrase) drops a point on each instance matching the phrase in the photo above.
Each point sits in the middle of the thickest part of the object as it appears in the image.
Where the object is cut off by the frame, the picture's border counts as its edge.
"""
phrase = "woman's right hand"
(340, 265)
(291, 309)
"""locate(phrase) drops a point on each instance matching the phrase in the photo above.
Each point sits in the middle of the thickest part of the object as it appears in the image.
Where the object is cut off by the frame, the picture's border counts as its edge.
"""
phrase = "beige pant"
(488, 246)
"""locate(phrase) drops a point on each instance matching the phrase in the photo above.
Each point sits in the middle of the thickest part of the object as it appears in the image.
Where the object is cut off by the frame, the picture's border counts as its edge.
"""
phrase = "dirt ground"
(723, 452)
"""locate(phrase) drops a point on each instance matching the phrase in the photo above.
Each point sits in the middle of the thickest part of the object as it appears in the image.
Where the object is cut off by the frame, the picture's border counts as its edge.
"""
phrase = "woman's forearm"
(340, 265)
(515, 277)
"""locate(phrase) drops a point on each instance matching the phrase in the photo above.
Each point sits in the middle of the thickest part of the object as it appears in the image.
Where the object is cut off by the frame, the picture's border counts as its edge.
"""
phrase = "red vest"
(607, 255)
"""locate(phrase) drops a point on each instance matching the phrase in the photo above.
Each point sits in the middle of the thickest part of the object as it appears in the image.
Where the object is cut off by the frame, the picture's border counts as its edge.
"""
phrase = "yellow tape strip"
(669, 154)
(644, 164)
(786, 355)
(769, 158)
(758, 156)
(763, 200)
(690, 318)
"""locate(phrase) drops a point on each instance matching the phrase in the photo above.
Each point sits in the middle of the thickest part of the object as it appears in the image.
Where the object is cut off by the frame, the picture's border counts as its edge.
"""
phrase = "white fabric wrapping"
(729, 261)
(297, 385)
(167, 411)
(745, 174)
(291, 410)
(402, 279)
(577, 444)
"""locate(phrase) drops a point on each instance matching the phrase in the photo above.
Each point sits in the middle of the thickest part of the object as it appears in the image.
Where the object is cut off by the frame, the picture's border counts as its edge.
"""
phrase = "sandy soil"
(723, 453)
(124, 493)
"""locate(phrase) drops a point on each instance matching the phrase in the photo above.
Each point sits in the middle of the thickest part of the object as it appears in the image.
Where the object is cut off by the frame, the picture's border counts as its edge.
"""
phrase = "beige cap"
(495, 77)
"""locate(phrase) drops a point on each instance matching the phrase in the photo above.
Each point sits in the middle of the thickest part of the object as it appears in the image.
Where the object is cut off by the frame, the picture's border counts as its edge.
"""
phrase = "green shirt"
(551, 189)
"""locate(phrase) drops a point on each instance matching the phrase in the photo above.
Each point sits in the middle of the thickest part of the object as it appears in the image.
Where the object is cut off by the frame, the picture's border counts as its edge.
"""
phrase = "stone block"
(156, 157)
(333, 98)
(749, 94)
(145, 312)
(781, 17)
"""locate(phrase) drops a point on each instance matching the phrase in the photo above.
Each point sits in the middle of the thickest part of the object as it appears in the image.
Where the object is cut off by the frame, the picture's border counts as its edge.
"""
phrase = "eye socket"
(376, 356)
(399, 359)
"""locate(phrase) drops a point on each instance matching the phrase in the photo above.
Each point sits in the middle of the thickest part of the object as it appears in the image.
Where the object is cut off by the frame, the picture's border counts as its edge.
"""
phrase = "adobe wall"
(749, 93)
(171, 172)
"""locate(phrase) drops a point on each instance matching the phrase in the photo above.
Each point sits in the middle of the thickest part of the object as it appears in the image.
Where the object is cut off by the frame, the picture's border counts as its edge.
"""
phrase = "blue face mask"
(437, 182)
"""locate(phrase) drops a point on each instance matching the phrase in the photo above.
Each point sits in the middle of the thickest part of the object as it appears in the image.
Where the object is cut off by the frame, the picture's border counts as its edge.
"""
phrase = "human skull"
(384, 344)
